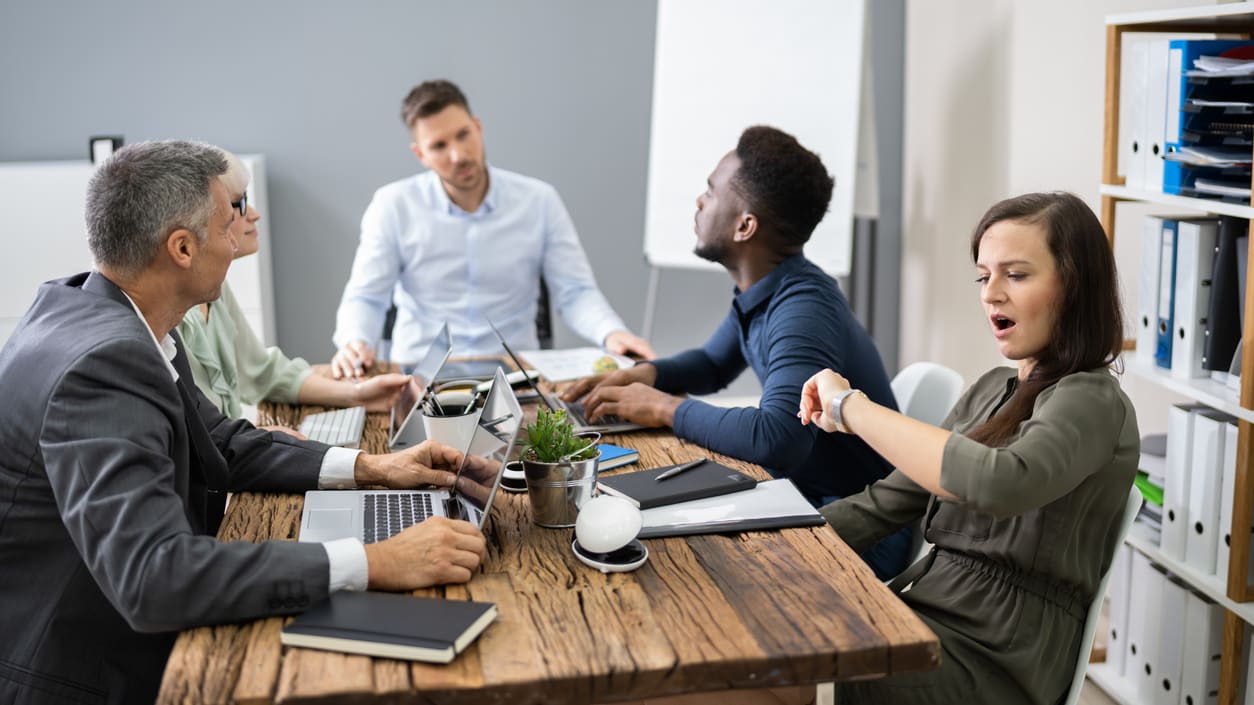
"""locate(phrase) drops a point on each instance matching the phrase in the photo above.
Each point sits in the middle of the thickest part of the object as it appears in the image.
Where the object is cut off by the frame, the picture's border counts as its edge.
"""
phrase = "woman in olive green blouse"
(231, 366)
(1022, 487)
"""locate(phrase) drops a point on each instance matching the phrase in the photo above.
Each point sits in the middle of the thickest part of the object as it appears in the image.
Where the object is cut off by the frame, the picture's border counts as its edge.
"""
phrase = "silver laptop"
(405, 423)
(574, 410)
(374, 515)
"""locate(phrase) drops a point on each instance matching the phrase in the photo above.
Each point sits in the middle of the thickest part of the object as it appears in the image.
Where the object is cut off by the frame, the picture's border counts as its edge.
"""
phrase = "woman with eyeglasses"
(231, 366)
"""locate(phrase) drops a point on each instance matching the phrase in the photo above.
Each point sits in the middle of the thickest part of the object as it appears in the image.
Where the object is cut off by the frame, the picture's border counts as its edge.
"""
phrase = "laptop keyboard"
(389, 514)
(341, 427)
(576, 409)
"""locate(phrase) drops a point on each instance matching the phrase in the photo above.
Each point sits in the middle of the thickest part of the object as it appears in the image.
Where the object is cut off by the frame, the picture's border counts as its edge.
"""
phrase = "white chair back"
(927, 391)
(1130, 511)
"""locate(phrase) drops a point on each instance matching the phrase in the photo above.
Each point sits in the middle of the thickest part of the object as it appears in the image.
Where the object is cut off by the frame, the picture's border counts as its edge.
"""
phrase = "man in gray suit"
(113, 466)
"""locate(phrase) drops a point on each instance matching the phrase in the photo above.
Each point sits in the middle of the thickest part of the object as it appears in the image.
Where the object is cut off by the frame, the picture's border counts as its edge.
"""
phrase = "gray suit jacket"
(111, 479)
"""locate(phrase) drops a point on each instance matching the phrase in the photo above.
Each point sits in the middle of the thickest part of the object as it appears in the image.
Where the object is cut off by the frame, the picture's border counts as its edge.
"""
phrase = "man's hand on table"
(434, 551)
(636, 402)
(644, 374)
(431, 552)
(428, 463)
(626, 393)
(352, 360)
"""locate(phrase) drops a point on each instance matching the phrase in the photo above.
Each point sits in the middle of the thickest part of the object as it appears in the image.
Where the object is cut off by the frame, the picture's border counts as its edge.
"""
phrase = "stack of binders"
(1192, 295)
(1183, 129)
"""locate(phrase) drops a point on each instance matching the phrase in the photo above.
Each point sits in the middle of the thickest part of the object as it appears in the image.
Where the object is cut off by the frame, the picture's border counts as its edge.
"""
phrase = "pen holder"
(558, 490)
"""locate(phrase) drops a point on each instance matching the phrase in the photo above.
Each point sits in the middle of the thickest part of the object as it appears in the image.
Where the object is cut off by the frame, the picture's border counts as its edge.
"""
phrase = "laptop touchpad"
(335, 521)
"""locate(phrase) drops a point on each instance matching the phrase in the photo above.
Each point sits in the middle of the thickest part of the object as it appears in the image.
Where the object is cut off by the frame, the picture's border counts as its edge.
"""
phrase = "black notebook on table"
(708, 479)
(390, 626)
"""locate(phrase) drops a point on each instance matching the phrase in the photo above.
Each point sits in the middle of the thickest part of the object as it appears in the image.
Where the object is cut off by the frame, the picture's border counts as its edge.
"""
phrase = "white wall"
(1001, 98)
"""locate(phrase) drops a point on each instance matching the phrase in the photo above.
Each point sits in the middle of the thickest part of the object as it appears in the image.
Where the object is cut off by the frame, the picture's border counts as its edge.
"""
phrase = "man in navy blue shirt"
(788, 320)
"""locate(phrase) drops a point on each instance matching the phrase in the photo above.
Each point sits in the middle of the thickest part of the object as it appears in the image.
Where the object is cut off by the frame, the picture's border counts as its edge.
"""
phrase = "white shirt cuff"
(337, 469)
(349, 570)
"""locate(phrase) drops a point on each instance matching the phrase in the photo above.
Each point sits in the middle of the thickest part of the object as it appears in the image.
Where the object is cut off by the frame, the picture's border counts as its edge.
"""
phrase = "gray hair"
(144, 192)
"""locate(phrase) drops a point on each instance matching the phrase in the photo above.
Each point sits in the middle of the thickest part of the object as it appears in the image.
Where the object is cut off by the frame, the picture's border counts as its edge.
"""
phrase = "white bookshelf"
(1208, 585)
(1202, 389)
(1114, 685)
(1200, 205)
(1202, 18)
(1231, 19)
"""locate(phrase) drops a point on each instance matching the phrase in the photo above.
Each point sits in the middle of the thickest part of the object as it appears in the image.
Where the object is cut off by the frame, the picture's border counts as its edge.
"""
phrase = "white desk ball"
(607, 523)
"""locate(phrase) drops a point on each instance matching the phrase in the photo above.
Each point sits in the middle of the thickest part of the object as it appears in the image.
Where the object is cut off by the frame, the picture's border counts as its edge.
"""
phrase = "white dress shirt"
(346, 558)
(442, 264)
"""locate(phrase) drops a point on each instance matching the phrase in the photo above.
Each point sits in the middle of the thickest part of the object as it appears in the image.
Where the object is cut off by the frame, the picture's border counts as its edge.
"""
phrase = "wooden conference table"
(758, 609)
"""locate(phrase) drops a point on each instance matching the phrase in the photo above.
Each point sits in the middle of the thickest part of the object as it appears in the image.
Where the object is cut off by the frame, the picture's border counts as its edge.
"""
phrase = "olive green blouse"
(1018, 557)
(229, 363)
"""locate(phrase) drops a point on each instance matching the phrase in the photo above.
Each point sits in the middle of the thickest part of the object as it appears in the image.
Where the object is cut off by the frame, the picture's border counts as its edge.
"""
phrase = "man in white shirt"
(465, 243)
(114, 466)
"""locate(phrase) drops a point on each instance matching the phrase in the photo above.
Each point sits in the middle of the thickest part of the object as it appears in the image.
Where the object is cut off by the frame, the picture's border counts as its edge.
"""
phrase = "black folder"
(1223, 321)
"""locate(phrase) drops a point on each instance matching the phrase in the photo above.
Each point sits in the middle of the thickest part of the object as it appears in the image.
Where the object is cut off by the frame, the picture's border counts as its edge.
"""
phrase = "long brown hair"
(1088, 325)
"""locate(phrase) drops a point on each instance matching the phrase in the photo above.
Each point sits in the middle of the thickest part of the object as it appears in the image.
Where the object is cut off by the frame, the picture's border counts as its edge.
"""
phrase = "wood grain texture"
(704, 613)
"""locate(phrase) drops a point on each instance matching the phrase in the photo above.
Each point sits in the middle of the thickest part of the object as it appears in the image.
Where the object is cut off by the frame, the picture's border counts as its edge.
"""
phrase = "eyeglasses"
(241, 205)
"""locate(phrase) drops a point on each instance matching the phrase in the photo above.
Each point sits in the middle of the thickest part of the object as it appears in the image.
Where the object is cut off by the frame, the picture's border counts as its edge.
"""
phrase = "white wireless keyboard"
(341, 427)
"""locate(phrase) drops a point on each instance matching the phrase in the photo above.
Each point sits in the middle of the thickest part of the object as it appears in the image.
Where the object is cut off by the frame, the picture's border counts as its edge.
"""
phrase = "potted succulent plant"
(560, 466)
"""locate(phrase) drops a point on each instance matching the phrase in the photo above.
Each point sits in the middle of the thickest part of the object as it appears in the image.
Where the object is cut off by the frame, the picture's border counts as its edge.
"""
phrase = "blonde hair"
(236, 177)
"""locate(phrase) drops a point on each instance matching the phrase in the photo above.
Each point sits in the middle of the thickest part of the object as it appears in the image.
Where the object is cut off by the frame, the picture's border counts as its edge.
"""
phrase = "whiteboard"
(723, 65)
(45, 235)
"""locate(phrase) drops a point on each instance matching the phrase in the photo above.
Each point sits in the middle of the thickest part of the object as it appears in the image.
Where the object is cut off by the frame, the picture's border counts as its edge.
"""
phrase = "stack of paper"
(1220, 66)
(573, 363)
(1210, 156)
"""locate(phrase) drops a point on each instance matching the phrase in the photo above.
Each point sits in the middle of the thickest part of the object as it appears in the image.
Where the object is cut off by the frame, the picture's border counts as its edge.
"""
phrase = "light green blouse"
(229, 363)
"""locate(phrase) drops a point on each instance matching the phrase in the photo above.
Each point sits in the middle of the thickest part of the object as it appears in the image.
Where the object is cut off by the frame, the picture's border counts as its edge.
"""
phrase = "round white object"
(607, 523)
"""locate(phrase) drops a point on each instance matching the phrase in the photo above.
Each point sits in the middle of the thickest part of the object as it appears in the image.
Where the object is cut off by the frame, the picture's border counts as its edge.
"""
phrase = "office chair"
(1130, 511)
(926, 391)
(544, 324)
(544, 318)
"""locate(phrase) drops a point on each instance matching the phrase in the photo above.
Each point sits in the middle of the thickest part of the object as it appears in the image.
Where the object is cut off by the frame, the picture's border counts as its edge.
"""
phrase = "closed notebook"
(773, 504)
(390, 626)
(613, 456)
(708, 479)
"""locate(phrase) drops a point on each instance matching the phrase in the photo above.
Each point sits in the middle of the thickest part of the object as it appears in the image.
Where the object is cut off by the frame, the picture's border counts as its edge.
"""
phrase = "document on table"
(571, 363)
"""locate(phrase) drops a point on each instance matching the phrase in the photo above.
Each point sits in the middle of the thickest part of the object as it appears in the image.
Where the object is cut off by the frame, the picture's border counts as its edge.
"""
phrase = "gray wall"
(563, 88)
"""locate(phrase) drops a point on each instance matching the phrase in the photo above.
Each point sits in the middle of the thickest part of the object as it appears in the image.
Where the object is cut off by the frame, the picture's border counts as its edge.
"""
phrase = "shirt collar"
(166, 347)
(485, 208)
(762, 290)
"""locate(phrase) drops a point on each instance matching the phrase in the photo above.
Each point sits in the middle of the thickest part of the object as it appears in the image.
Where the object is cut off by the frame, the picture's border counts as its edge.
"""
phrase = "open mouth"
(1002, 323)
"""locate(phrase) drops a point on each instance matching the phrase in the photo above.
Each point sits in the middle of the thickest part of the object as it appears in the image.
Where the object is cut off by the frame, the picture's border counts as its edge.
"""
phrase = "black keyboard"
(386, 515)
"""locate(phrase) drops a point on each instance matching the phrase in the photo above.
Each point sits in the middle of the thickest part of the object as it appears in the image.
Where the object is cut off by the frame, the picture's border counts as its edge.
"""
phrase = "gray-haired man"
(114, 466)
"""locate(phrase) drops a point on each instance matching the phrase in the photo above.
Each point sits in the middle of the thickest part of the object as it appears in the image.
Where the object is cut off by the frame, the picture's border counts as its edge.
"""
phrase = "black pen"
(680, 468)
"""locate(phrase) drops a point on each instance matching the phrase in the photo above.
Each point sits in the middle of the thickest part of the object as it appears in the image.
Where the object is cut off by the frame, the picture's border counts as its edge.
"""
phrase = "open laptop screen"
(420, 386)
(494, 435)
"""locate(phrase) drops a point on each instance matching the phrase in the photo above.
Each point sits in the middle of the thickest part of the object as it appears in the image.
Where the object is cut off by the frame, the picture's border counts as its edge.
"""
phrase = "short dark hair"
(1088, 323)
(785, 184)
(430, 97)
(143, 193)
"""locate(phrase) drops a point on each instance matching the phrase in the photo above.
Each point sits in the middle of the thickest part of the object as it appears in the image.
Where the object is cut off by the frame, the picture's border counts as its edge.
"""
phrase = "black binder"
(1223, 321)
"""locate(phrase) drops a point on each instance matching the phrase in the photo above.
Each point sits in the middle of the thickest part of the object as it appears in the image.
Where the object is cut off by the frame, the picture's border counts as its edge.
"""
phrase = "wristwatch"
(834, 407)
